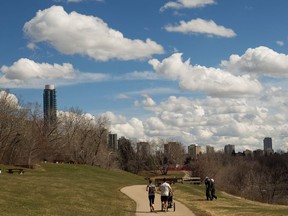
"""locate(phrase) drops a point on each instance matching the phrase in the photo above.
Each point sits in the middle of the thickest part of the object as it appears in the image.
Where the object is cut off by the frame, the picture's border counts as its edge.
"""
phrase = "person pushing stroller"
(165, 190)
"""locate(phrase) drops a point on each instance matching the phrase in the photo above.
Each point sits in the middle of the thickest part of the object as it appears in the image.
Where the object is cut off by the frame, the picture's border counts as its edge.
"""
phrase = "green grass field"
(68, 190)
(193, 196)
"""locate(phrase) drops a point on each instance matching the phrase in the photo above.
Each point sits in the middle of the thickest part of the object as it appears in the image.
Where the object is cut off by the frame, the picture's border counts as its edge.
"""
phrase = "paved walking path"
(139, 195)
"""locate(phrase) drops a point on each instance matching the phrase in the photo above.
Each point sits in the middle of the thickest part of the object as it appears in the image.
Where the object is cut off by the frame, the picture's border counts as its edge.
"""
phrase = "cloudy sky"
(197, 71)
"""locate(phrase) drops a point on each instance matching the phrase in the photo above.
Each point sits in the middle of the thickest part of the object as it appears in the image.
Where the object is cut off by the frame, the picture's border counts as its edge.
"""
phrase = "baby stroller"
(171, 203)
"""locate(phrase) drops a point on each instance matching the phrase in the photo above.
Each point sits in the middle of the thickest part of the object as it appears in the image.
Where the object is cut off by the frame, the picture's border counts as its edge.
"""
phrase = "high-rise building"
(143, 148)
(49, 105)
(113, 142)
(171, 147)
(229, 149)
(194, 151)
(267, 143)
(210, 149)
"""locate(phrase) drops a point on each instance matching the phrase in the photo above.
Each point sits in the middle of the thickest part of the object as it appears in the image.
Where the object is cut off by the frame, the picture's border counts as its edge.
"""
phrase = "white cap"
(51, 87)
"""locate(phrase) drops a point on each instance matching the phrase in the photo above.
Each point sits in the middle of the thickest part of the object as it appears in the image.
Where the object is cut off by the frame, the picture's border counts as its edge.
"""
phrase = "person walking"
(151, 194)
(213, 195)
(207, 182)
(165, 189)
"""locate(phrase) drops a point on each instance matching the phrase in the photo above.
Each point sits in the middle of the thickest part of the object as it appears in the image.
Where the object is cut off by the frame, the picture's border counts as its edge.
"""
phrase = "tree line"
(262, 178)
(26, 140)
(75, 137)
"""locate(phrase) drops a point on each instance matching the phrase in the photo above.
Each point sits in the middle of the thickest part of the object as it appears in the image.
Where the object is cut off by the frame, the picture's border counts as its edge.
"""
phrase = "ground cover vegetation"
(82, 190)
(66, 190)
(193, 196)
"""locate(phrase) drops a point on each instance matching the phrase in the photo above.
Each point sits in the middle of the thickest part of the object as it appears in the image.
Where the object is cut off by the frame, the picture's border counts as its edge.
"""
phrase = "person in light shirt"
(166, 190)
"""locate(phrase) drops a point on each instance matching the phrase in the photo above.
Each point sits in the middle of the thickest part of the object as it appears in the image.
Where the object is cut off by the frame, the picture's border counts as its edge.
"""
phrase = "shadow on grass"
(200, 200)
(145, 212)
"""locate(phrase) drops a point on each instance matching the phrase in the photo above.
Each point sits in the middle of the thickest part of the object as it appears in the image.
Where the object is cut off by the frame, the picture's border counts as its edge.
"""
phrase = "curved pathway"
(139, 195)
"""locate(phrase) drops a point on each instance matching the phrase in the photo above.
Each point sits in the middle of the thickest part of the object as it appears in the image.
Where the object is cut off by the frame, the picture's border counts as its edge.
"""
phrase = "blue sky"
(197, 71)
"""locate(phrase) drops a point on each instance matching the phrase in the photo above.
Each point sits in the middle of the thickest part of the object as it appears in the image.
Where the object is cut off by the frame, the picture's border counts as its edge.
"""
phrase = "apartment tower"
(113, 142)
(194, 151)
(267, 144)
(229, 149)
(49, 105)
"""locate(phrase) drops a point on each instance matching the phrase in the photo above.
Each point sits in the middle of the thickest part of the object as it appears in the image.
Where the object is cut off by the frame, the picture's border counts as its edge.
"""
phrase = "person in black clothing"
(213, 189)
(207, 182)
(151, 194)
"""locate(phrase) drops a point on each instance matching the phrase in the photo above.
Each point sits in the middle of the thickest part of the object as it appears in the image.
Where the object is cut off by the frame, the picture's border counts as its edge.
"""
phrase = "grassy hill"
(193, 196)
(68, 190)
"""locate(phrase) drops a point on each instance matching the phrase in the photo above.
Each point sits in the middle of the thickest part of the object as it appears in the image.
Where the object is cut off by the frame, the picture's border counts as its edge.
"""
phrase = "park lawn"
(66, 190)
(193, 196)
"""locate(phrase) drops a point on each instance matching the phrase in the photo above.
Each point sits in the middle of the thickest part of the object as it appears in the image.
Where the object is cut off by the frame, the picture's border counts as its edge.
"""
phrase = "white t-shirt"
(165, 188)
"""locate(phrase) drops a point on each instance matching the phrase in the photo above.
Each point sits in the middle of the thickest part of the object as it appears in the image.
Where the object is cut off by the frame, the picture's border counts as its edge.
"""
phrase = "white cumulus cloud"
(26, 73)
(259, 61)
(76, 33)
(212, 81)
(201, 26)
(146, 102)
(10, 98)
(132, 128)
(179, 4)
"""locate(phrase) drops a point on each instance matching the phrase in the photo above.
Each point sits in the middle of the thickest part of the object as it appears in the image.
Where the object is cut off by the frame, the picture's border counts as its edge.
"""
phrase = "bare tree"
(84, 137)
(12, 118)
(127, 156)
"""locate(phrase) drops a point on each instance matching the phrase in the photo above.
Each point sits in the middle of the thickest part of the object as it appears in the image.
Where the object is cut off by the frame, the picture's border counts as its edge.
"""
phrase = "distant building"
(173, 152)
(229, 149)
(267, 144)
(194, 151)
(248, 152)
(258, 153)
(49, 105)
(171, 147)
(143, 148)
(210, 149)
(124, 143)
(113, 142)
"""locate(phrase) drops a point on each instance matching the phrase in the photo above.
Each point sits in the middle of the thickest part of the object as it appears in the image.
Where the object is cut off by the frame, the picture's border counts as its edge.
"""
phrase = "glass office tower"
(49, 105)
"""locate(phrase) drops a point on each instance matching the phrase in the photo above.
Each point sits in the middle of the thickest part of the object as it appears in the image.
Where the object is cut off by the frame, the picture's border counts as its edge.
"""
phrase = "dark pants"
(213, 196)
(151, 199)
(208, 195)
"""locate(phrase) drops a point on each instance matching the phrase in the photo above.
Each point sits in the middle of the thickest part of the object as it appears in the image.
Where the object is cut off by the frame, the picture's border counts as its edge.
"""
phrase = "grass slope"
(193, 196)
(78, 190)
(66, 190)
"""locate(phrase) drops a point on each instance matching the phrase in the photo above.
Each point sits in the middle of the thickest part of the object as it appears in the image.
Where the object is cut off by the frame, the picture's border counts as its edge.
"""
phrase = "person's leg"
(207, 194)
(150, 203)
(152, 200)
(165, 203)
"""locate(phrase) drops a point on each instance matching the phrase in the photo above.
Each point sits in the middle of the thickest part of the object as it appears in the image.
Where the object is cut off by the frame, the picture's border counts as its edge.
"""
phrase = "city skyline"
(212, 73)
